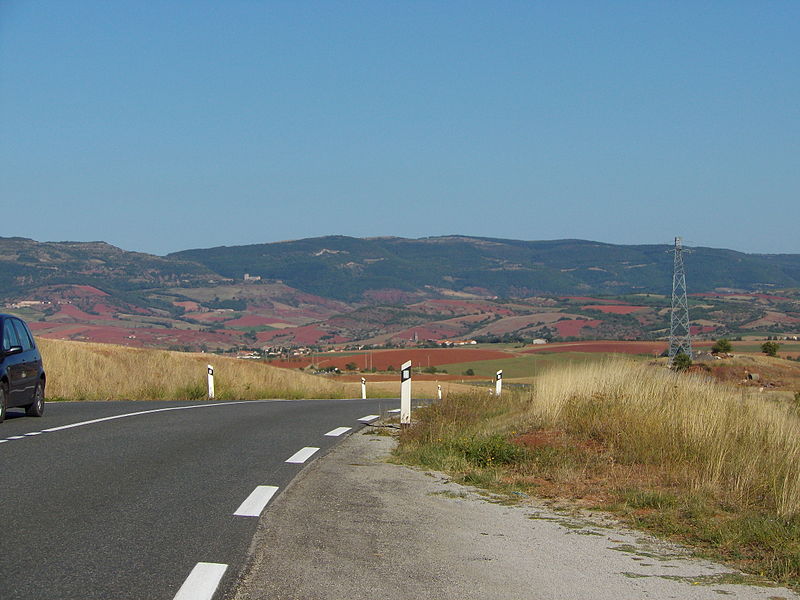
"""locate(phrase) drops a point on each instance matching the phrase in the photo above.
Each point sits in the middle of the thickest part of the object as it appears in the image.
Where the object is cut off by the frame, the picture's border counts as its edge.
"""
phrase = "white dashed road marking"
(145, 412)
(123, 416)
(301, 456)
(256, 501)
(338, 431)
(202, 582)
(394, 410)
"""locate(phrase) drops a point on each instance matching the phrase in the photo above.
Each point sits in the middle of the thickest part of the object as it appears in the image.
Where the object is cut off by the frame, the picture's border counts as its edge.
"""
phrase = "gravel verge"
(352, 526)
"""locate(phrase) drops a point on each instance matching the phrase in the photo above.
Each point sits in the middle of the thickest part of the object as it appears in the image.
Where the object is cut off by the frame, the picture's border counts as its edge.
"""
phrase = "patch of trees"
(232, 304)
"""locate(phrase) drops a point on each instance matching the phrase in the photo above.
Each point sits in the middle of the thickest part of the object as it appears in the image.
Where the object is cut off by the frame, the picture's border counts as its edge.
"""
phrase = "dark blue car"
(22, 375)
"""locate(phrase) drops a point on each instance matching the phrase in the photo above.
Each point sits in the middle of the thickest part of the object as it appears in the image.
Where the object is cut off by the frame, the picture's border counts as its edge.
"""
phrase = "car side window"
(9, 335)
(22, 335)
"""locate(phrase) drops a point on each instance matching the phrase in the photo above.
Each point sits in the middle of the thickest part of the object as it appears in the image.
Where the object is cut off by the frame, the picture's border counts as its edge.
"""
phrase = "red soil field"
(104, 310)
(41, 326)
(697, 329)
(92, 333)
(110, 335)
(615, 309)
(617, 347)
(70, 311)
(573, 327)
(134, 336)
(88, 290)
(64, 332)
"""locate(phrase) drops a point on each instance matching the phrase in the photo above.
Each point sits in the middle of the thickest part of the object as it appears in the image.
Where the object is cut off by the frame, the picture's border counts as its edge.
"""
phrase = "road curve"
(101, 503)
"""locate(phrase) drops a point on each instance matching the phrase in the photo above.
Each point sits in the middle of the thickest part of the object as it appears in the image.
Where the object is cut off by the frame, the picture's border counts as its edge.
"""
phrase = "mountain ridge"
(335, 290)
(348, 268)
(345, 267)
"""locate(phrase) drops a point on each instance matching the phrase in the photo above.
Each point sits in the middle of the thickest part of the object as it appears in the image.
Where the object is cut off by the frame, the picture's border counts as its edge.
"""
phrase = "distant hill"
(348, 268)
(353, 292)
(26, 264)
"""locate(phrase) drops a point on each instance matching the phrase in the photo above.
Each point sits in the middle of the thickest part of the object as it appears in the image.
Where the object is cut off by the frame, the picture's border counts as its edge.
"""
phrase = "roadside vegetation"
(686, 457)
(86, 371)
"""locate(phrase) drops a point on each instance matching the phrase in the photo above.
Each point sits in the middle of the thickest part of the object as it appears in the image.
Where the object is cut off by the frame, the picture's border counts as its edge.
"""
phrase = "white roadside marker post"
(210, 382)
(363, 388)
(405, 394)
(498, 386)
(439, 391)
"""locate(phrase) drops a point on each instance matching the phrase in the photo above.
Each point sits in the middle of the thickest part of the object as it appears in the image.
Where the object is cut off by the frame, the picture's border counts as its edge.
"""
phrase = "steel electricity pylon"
(680, 339)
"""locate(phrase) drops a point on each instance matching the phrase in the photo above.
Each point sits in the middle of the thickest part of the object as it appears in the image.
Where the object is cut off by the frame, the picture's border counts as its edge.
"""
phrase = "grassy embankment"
(524, 366)
(691, 459)
(86, 371)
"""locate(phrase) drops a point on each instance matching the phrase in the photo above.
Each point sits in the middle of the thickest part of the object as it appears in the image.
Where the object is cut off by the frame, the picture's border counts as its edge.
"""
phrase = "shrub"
(488, 451)
(681, 361)
(722, 345)
(770, 348)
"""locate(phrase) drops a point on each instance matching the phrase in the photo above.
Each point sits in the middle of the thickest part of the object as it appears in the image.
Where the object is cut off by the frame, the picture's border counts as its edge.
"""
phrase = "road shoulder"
(353, 526)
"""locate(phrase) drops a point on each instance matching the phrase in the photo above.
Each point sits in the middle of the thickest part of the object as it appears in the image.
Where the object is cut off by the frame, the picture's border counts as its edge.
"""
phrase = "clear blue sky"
(161, 125)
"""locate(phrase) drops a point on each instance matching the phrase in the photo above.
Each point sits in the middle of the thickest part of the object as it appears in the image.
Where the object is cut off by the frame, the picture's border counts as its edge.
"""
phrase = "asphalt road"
(125, 508)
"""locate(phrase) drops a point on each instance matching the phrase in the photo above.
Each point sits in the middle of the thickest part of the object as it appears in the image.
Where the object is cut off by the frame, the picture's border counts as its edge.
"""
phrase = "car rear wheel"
(3, 396)
(36, 409)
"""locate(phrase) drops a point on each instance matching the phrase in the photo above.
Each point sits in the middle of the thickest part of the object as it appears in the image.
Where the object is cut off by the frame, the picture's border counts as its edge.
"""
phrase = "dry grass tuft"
(712, 436)
(86, 371)
(685, 456)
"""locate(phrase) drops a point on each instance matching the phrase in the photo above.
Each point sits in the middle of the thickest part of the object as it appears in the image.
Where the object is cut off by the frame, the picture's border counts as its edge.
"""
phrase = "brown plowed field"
(252, 321)
(589, 299)
(615, 309)
(70, 311)
(603, 346)
(375, 377)
(573, 327)
(382, 359)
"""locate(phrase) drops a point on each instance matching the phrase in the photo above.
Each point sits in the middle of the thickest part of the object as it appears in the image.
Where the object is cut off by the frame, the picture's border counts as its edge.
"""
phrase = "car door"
(31, 362)
(15, 367)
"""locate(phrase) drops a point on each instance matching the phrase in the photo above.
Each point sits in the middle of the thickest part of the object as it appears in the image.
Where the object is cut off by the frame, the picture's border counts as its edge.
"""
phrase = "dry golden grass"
(85, 371)
(774, 373)
(716, 437)
(685, 456)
